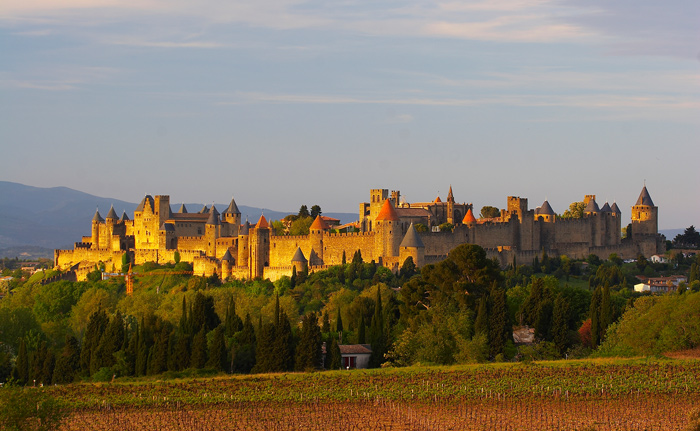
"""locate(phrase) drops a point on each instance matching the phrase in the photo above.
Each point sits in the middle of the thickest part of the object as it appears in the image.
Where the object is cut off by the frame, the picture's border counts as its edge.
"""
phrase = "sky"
(281, 103)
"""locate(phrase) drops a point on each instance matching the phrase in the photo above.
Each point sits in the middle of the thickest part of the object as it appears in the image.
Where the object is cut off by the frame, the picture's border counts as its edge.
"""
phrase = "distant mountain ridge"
(56, 217)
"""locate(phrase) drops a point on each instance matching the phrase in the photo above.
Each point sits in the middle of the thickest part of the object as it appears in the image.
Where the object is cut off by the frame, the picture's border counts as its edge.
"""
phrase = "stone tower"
(451, 208)
(232, 216)
(645, 221)
(316, 231)
(259, 239)
(212, 231)
(388, 231)
(243, 244)
(412, 246)
(299, 261)
(96, 221)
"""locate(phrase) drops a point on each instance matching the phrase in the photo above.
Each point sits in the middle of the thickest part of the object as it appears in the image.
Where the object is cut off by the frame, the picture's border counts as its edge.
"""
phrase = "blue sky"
(285, 102)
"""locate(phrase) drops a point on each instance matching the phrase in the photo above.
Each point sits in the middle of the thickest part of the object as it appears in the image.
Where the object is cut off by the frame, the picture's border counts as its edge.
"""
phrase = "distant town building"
(659, 284)
(219, 243)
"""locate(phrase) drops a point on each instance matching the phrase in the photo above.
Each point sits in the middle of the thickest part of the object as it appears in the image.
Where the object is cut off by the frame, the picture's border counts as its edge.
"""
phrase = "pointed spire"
(450, 197)
(227, 257)
(204, 210)
(245, 229)
(606, 208)
(592, 207)
(644, 198)
(112, 214)
(213, 209)
(232, 208)
(412, 239)
(469, 217)
(97, 217)
(124, 217)
(387, 212)
(299, 256)
(214, 218)
(319, 224)
(183, 209)
(546, 208)
(262, 223)
(614, 208)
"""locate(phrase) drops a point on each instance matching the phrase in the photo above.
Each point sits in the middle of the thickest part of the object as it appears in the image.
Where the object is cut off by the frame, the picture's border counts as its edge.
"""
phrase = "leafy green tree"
(315, 211)
(91, 340)
(575, 210)
(110, 343)
(301, 226)
(180, 358)
(481, 324)
(244, 357)
(303, 212)
(420, 227)
(266, 359)
(30, 409)
(232, 322)
(489, 212)
(446, 227)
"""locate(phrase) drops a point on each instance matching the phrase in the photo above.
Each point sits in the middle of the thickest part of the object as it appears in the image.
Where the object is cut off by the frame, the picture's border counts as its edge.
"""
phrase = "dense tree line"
(462, 309)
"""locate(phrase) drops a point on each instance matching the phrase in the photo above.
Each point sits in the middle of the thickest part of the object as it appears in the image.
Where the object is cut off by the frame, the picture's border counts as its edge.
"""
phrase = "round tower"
(212, 231)
(412, 246)
(299, 261)
(316, 231)
(243, 244)
(388, 231)
(227, 263)
(232, 216)
(96, 221)
(259, 238)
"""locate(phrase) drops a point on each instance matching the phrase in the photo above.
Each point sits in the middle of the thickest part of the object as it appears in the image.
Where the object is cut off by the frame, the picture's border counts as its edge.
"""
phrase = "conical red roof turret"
(319, 224)
(387, 212)
(469, 217)
(262, 223)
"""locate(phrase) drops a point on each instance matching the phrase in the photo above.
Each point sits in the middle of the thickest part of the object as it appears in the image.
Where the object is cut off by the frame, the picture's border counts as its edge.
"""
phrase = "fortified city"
(219, 243)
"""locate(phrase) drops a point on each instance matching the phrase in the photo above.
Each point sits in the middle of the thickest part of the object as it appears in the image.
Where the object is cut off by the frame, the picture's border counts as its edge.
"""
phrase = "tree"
(595, 311)
(198, 359)
(500, 331)
(339, 323)
(689, 238)
(575, 210)
(308, 351)
(420, 227)
(126, 260)
(335, 356)
(446, 227)
(489, 212)
(218, 356)
(68, 362)
(91, 340)
(378, 340)
(31, 410)
(303, 212)
(315, 211)
(22, 364)
(560, 327)
(232, 322)
(481, 324)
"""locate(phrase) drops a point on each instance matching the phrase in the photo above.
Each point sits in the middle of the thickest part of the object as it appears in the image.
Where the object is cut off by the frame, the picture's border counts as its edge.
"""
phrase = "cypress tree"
(377, 333)
(184, 326)
(308, 352)
(344, 260)
(131, 351)
(233, 323)
(284, 343)
(68, 362)
(336, 358)
(361, 336)
(218, 356)
(141, 363)
(481, 325)
(37, 364)
(21, 372)
(158, 358)
(595, 309)
(180, 359)
(293, 279)
(91, 340)
(266, 359)
(277, 310)
(499, 326)
(110, 343)
(605, 318)
(326, 328)
(49, 364)
(244, 359)
(543, 324)
(560, 327)
(198, 359)
(339, 323)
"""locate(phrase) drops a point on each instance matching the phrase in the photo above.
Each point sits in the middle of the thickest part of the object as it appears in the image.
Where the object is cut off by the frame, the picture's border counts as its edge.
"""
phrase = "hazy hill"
(56, 217)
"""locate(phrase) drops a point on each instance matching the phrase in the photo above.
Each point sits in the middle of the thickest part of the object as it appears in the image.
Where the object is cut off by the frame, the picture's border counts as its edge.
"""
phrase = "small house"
(355, 355)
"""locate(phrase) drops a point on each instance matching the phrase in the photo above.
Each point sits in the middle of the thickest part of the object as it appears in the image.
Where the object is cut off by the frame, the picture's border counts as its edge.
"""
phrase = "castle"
(218, 243)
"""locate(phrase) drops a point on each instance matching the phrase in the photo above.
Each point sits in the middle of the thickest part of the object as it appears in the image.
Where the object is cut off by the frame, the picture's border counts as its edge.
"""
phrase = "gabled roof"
(183, 209)
(227, 257)
(168, 227)
(412, 239)
(319, 224)
(592, 207)
(387, 212)
(97, 217)
(232, 208)
(354, 349)
(606, 208)
(245, 228)
(437, 200)
(469, 217)
(214, 218)
(546, 208)
(112, 214)
(614, 208)
(299, 256)
(125, 217)
(262, 223)
(644, 198)
(142, 205)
